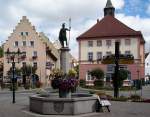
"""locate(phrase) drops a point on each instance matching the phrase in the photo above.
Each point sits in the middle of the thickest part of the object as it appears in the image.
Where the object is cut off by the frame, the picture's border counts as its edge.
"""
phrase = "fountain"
(52, 104)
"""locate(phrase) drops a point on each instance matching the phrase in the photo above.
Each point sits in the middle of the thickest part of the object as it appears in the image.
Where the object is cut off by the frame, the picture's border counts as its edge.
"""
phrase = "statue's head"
(63, 25)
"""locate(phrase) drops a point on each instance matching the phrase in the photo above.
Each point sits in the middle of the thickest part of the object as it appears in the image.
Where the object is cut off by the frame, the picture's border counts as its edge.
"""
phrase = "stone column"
(64, 59)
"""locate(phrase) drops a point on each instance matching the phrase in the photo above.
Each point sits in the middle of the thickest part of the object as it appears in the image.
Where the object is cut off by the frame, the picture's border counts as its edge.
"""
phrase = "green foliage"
(72, 73)
(17, 72)
(82, 83)
(11, 86)
(1, 52)
(28, 70)
(56, 73)
(121, 98)
(99, 83)
(97, 73)
(135, 98)
(122, 75)
(76, 68)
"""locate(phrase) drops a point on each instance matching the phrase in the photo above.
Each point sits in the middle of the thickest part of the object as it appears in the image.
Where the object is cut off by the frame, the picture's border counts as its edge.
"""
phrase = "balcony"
(123, 59)
(34, 57)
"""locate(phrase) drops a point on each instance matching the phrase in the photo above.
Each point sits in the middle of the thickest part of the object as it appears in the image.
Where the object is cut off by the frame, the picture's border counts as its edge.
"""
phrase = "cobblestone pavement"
(21, 109)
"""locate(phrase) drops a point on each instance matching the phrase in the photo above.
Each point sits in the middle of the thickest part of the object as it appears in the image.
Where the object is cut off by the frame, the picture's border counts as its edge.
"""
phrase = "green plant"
(11, 87)
(97, 73)
(99, 83)
(135, 98)
(72, 73)
(121, 98)
(82, 83)
(27, 86)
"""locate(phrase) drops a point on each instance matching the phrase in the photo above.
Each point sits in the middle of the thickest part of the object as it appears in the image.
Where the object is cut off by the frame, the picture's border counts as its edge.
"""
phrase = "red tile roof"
(109, 27)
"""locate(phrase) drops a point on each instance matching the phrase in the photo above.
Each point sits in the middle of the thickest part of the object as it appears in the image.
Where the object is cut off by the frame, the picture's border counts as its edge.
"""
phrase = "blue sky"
(135, 7)
(48, 15)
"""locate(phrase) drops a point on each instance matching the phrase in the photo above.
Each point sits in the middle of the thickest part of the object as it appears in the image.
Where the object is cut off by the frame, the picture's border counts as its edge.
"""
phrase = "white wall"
(133, 48)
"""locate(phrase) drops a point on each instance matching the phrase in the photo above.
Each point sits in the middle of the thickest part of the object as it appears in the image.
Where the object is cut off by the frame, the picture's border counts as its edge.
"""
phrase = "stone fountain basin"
(52, 105)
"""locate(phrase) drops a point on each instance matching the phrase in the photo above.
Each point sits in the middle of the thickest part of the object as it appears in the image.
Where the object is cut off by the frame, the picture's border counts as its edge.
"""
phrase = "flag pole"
(69, 30)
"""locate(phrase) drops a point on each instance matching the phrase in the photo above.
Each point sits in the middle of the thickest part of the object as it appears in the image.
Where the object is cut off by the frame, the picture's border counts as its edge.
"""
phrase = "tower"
(109, 9)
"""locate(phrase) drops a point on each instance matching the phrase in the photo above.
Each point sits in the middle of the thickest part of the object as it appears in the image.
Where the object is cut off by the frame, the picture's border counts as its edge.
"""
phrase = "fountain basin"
(62, 106)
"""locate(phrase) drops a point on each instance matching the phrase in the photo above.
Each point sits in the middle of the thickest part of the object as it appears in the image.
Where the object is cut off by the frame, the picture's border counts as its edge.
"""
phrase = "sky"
(48, 15)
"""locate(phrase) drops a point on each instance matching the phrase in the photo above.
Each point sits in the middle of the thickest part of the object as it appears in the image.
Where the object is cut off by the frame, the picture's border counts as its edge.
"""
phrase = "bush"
(11, 87)
(55, 83)
(27, 86)
(97, 73)
(98, 83)
(135, 98)
(121, 98)
(82, 83)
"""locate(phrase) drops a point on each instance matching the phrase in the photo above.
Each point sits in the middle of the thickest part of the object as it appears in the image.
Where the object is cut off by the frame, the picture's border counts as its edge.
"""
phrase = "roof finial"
(109, 9)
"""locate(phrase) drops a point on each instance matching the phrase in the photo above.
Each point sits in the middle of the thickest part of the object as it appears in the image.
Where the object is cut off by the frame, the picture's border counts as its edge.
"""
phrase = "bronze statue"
(63, 36)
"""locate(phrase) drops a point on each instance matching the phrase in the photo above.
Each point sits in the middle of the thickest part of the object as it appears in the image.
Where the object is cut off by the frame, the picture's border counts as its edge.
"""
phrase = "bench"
(103, 103)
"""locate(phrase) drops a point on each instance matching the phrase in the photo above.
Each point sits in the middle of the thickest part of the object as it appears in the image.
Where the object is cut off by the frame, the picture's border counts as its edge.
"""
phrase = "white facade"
(85, 49)
(147, 65)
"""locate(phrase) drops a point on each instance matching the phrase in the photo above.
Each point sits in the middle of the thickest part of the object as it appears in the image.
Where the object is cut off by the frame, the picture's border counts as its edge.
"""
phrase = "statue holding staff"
(63, 36)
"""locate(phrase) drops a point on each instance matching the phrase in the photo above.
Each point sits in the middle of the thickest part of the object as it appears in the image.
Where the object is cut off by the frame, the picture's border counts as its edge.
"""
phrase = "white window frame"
(90, 43)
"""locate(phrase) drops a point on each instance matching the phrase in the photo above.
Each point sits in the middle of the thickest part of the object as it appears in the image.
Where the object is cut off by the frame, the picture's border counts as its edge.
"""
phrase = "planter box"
(62, 106)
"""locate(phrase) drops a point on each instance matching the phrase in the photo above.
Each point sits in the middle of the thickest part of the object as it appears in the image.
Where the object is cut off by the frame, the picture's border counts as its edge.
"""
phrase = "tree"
(27, 71)
(97, 73)
(1, 52)
(123, 75)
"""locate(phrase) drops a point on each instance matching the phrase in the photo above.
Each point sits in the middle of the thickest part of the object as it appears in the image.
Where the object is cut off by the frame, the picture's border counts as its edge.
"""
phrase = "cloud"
(139, 24)
(48, 15)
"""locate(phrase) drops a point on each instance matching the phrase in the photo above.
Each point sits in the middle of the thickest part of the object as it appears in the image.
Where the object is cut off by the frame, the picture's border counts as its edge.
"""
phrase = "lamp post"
(13, 57)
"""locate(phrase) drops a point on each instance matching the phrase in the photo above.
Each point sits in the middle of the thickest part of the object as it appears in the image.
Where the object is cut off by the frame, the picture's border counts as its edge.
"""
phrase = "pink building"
(99, 41)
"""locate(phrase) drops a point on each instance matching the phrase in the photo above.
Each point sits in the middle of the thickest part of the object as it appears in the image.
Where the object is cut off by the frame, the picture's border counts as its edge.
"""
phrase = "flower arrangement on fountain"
(64, 82)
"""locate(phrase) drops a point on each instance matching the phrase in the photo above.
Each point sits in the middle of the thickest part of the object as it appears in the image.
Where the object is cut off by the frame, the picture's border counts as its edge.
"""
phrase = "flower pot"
(63, 93)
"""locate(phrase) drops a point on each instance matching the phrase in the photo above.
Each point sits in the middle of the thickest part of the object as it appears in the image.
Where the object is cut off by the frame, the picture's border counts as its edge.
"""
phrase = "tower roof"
(109, 4)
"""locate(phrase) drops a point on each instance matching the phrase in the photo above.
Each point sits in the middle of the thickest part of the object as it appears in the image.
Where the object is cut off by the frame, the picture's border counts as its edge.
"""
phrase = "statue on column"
(63, 36)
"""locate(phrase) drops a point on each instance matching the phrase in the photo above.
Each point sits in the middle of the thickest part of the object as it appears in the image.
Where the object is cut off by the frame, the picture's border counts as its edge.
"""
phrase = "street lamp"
(13, 57)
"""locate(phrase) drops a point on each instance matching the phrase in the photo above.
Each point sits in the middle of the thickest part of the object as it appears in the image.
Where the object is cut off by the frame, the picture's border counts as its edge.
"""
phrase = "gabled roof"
(109, 26)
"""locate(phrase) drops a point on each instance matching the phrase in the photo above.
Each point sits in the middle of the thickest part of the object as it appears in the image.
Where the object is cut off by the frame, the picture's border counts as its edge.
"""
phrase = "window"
(108, 53)
(23, 64)
(27, 33)
(32, 43)
(99, 43)
(88, 76)
(35, 64)
(127, 41)
(147, 64)
(24, 43)
(99, 55)
(110, 68)
(16, 44)
(24, 33)
(21, 33)
(90, 43)
(90, 56)
(127, 52)
(35, 53)
(108, 42)
(123, 67)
